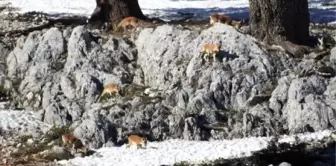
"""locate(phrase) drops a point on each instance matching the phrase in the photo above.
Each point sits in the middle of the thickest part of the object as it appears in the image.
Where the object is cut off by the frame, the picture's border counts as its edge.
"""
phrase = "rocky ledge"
(59, 72)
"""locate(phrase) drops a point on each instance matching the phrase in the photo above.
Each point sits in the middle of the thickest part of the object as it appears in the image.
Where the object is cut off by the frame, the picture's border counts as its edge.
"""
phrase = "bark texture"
(276, 21)
(113, 11)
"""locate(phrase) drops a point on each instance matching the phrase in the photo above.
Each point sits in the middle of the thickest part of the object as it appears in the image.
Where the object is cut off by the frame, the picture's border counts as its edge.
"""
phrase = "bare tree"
(113, 11)
(282, 22)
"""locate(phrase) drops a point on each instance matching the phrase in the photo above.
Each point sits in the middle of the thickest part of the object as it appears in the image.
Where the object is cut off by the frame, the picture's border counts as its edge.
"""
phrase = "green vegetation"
(3, 90)
(106, 97)
(55, 134)
(128, 92)
(119, 34)
(250, 71)
(329, 4)
(72, 81)
(146, 100)
(132, 90)
(16, 82)
(234, 113)
(24, 139)
(57, 66)
(269, 87)
(29, 149)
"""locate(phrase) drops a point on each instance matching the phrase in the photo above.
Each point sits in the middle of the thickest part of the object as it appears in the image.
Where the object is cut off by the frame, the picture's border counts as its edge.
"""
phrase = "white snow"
(21, 122)
(166, 9)
(171, 151)
(54, 7)
(86, 7)
(196, 4)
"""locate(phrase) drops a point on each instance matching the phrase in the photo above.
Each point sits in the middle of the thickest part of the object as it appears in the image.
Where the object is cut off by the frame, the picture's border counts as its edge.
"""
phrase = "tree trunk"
(113, 11)
(280, 21)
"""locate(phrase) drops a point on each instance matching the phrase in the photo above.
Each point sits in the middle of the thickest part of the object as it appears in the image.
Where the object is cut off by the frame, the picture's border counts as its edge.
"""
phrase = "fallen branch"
(25, 31)
(50, 23)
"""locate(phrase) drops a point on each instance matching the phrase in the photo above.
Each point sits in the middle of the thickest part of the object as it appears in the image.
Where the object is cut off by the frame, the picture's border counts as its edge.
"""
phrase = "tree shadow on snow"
(322, 15)
(316, 15)
(199, 13)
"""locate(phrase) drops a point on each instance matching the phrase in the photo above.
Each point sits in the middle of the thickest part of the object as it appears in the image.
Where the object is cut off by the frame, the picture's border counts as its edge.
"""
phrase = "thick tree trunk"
(113, 11)
(279, 21)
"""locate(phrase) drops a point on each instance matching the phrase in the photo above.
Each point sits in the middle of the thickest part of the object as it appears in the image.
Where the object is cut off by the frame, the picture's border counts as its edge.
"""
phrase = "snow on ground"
(179, 4)
(21, 122)
(54, 7)
(165, 9)
(157, 153)
(171, 151)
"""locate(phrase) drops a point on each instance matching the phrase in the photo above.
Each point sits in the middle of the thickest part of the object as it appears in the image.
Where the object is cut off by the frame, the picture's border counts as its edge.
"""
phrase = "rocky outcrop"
(246, 91)
(56, 153)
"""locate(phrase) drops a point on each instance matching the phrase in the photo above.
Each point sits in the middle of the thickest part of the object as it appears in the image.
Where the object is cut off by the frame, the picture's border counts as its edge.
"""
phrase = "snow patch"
(172, 151)
(165, 9)
(21, 122)
(53, 7)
